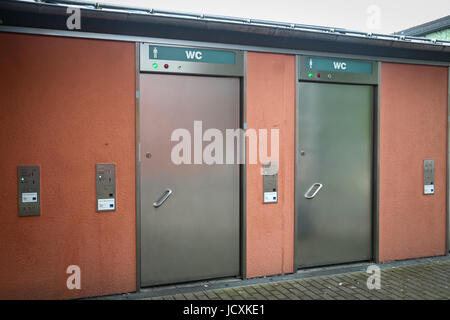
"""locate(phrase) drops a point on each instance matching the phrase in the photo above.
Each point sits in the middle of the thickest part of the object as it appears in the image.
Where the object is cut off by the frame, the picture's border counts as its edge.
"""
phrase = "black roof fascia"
(45, 16)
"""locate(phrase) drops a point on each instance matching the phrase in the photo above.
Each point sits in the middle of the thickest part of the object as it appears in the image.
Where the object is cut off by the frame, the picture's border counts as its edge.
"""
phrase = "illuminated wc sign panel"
(191, 55)
(337, 65)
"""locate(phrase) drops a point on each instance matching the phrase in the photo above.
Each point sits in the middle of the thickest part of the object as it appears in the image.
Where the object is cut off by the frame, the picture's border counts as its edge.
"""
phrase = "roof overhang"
(116, 20)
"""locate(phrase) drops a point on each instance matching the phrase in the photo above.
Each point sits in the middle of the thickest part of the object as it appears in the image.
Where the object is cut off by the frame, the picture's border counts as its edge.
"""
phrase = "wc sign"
(191, 55)
(324, 64)
(339, 65)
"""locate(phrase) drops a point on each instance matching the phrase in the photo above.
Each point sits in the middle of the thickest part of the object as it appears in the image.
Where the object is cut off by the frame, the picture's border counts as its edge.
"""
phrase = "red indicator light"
(318, 75)
(166, 66)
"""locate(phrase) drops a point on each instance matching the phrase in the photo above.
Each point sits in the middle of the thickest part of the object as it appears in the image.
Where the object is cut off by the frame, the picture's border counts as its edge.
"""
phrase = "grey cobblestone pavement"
(424, 281)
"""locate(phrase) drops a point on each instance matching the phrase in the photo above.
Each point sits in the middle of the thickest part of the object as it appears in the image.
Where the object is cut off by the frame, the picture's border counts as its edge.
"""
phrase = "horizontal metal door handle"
(312, 191)
(166, 194)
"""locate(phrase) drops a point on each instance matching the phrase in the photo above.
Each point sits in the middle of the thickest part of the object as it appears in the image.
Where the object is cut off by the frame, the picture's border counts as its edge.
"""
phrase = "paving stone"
(201, 296)
(211, 294)
(427, 281)
(189, 296)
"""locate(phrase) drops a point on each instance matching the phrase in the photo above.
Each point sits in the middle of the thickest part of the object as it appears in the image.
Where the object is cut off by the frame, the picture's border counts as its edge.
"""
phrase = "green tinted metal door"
(333, 174)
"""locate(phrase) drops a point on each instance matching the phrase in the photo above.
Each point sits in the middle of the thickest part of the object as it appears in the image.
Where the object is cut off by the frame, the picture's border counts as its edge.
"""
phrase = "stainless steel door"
(333, 174)
(189, 212)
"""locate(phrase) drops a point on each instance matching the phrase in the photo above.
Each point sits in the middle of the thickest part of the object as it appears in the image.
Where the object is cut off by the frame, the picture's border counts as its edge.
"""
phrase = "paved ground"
(421, 280)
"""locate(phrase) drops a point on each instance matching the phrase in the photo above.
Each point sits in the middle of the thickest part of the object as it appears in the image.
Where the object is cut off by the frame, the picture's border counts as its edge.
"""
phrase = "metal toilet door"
(189, 212)
(333, 174)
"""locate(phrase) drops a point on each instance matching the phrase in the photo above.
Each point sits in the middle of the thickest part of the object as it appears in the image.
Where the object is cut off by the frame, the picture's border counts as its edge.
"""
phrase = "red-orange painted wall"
(66, 104)
(271, 104)
(413, 127)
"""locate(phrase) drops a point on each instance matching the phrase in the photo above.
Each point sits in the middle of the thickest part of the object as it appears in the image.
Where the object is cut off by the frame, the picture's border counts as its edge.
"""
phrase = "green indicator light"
(155, 65)
(310, 75)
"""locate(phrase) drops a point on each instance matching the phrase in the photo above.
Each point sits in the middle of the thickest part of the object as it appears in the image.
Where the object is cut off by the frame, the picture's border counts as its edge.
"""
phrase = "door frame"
(242, 168)
(375, 152)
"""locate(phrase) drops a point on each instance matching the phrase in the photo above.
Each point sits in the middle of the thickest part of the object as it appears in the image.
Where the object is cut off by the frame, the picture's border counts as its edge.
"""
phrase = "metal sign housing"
(337, 70)
(190, 60)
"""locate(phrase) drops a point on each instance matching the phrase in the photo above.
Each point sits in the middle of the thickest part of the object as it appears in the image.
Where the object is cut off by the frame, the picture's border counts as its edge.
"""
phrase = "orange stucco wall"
(66, 104)
(271, 104)
(413, 127)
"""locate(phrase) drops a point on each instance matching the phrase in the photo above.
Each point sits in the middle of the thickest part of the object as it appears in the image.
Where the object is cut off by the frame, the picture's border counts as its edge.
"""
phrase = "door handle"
(166, 194)
(312, 191)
